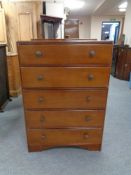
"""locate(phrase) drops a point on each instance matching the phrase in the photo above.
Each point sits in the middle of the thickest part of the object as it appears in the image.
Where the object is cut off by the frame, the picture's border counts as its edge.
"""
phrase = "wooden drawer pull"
(40, 77)
(90, 77)
(43, 137)
(40, 99)
(88, 118)
(38, 54)
(88, 98)
(92, 53)
(42, 118)
(85, 135)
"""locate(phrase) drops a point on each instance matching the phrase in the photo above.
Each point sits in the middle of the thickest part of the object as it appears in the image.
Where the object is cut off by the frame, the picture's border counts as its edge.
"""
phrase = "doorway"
(110, 31)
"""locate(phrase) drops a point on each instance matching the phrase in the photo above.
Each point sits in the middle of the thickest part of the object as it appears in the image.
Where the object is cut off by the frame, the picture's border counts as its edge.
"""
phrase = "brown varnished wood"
(122, 62)
(79, 99)
(64, 137)
(65, 54)
(63, 106)
(36, 77)
(50, 19)
(13, 75)
(89, 147)
(64, 119)
(64, 42)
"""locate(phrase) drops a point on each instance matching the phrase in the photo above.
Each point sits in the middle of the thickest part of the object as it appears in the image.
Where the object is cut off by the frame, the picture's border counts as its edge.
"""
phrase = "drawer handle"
(40, 77)
(40, 99)
(38, 54)
(92, 53)
(43, 137)
(88, 118)
(90, 77)
(88, 99)
(85, 135)
(42, 118)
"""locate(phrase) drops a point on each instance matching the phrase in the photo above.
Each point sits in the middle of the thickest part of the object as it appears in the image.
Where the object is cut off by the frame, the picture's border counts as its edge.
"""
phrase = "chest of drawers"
(64, 87)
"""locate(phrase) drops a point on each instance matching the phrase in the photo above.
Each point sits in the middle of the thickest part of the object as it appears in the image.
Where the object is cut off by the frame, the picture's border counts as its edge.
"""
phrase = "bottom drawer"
(64, 137)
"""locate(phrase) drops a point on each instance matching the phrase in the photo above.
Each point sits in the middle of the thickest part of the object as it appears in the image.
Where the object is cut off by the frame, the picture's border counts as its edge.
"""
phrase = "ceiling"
(92, 7)
(99, 7)
(109, 7)
(89, 7)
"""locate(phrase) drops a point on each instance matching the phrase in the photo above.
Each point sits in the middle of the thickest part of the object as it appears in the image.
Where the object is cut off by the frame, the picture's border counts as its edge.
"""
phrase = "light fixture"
(122, 7)
(122, 10)
(74, 4)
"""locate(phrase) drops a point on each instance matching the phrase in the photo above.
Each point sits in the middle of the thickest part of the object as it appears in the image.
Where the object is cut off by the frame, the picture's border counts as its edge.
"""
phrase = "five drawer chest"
(64, 87)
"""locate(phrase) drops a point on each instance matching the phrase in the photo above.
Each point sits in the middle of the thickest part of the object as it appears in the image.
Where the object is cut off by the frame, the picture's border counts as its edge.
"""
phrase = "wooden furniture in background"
(21, 19)
(4, 88)
(65, 86)
(122, 62)
(13, 74)
(71, 28)
(50, 26)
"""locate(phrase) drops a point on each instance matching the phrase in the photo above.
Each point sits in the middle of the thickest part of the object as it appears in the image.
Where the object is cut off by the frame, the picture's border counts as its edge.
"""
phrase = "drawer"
(64, 137)
(80, 99)
(65, 54)
(64, 119)
(65, 77)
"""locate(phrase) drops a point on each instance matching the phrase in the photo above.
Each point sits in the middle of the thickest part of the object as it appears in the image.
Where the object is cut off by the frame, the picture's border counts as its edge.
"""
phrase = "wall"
(56, 9)
(84, 26)
(127, 25)
(96, 23)
(90, 26)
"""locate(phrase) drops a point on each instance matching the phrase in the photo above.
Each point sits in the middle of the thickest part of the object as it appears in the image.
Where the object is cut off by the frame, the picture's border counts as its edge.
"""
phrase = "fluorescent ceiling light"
(123, 5)
(122, 10)
(74, 4)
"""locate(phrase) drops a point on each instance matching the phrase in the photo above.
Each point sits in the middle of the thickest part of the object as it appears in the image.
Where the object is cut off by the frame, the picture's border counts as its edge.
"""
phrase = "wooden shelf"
(50, 19)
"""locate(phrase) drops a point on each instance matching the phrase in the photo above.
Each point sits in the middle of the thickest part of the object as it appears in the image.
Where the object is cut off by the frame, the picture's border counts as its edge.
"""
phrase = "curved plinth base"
(35, 148)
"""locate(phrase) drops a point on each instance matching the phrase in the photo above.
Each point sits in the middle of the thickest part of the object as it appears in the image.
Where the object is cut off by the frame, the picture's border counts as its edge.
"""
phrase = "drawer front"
(65, 54)
(64, 119)
(65, 77)
(63, 137)
(80, 99)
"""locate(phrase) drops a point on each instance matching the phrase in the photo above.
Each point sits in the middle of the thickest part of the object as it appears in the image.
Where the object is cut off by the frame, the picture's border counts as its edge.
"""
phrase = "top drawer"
(65, 54)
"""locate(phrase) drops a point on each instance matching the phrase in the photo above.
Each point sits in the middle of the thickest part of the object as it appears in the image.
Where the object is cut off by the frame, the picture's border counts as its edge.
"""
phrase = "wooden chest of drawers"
(65, 86)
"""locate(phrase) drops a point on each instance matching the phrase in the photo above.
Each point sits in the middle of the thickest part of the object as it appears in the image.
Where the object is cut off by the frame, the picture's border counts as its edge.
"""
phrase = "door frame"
(119, 22)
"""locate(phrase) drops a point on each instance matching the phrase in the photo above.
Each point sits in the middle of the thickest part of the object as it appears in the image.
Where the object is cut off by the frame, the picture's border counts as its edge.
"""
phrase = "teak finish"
(74, 99)
(13, 75)
(64, 118)
(62, 137)
(65, 86)
(34, 77)
(64, 54)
